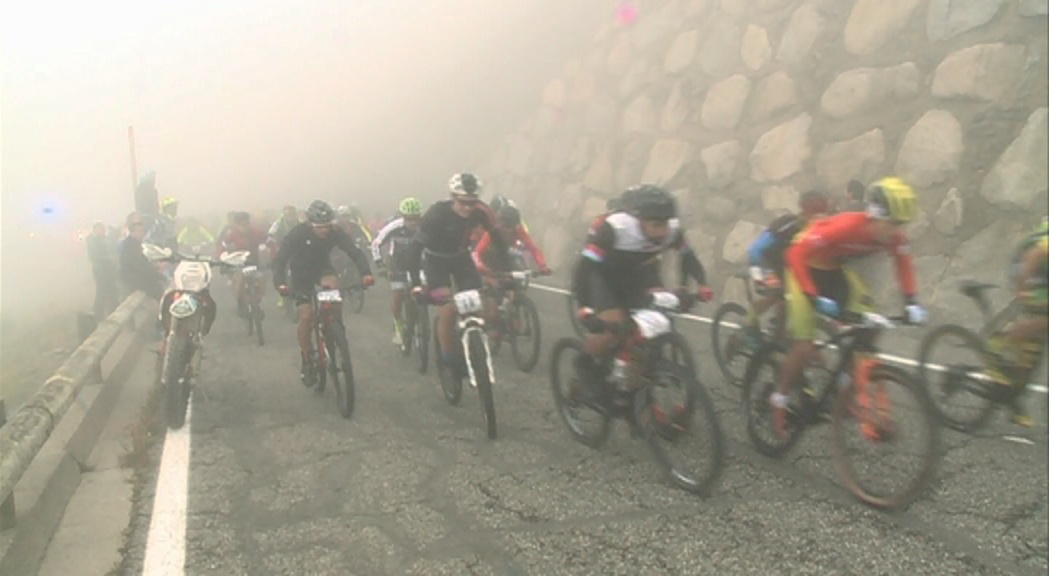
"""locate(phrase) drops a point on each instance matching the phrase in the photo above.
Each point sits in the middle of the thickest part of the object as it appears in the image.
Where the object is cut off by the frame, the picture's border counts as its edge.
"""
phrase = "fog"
(240, 105)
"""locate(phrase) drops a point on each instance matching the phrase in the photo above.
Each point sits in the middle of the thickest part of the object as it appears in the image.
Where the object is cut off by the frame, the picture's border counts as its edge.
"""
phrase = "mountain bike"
(662, 401)
(331, 355)
(965, 379)
(471, 335)
(856, 393)
(253, 302)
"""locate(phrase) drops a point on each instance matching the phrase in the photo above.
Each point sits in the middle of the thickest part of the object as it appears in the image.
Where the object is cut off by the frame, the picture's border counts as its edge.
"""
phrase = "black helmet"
(320, 212)
(464, 184)
(510, 216)
(497, 203)
(649, 202)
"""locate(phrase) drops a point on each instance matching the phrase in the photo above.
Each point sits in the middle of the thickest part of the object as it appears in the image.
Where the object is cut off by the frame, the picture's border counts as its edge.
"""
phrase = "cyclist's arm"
(480, 250)
(905, 267)
(689, 265)
(280, 264)
(756, 252)
(381, 237)
(502, 249)
(530, 245)
(346, 244)
(422, 237)
(599, 242)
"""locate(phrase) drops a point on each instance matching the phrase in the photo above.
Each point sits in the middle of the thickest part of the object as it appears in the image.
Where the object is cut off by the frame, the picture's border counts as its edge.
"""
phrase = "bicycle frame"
(324, 313)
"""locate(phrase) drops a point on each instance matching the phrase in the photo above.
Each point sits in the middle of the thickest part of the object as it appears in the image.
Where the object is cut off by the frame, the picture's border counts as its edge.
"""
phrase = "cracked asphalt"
(281, 484)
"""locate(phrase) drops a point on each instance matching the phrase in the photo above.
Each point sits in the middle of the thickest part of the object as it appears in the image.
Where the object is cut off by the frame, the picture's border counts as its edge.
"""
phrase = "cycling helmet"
(410, 207)
(320, 212)
(464, 184)
(497, 203)
(891, 199)
(169, 201)
(650, 202)
(510, 216)
(814, 202)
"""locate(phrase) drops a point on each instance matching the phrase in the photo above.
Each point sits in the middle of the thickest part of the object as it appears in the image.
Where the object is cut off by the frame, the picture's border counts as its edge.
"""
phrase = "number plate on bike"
(468, 302)
(650, 323)
(329, 296)
(250, 270)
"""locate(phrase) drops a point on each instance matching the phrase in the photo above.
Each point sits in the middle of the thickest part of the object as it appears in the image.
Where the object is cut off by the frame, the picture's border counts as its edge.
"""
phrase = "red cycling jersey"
(520, 235)
(237, 238)
(826, 242)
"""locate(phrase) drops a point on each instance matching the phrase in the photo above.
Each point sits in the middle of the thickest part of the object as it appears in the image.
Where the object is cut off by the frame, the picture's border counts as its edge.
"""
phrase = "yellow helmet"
(893, 199)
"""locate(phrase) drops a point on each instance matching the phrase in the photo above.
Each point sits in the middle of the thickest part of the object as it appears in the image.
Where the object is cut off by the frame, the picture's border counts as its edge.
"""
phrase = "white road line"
(890, 357)
(166, 546)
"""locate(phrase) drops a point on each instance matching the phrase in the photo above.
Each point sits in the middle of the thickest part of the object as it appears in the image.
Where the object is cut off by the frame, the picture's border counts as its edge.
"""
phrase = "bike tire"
(659, 430)
(176, 361)
(451, 386)
(566, 404)
(481, 362)
(320, 367)
(526, 359)
(938, 383)
(723, 356)
(341, 363)
(407, 333)
(758, 385)
(422, 327)
(925, 418)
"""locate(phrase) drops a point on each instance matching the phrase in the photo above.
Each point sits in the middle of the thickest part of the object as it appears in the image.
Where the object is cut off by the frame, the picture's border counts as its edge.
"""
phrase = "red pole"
(134, 167)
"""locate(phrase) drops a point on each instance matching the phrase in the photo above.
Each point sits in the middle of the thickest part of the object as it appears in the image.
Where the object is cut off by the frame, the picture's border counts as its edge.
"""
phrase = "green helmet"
(410, 207)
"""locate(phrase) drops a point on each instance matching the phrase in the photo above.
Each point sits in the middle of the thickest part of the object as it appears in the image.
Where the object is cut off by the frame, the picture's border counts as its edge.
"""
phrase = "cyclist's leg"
(439, 281)
(398, 287)
(491, 308)
(238, 292)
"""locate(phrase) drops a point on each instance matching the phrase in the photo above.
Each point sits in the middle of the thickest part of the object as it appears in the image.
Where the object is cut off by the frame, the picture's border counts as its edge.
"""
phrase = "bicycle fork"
(467, 327)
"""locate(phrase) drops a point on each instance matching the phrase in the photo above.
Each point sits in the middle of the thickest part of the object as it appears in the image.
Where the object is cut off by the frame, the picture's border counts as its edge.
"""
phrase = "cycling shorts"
(840, 285)
(456, 273)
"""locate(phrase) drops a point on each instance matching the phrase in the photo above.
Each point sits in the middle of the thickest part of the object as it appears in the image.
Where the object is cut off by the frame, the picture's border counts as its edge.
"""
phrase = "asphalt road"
(279, 483)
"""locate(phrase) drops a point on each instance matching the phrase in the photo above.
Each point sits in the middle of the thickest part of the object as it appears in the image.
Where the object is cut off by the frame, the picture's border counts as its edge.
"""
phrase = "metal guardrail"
(25, 433)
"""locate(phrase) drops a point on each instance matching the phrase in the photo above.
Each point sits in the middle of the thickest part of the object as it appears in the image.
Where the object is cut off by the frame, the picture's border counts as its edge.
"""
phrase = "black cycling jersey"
(620, 264)
(446, 235)
(309, 256)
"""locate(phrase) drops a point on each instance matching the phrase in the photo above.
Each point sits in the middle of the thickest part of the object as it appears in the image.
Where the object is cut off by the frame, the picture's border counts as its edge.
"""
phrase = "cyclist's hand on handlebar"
(706, 293)
(827, 307)
(283, 290)
(419, 293)
(915, 314)
(588, 318)
(368, 280)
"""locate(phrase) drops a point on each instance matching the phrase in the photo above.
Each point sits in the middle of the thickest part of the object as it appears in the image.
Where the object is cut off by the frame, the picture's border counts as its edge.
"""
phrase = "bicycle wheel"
(451, 385)
(893, 408)
(256, 317)
(422, 335)
(577, 325)
(320, 364)
(177, 355)
(482, 369)
(407, 330)
(572, 399)
(684, 434)
(951, 363)
(759, 382)
(340, 367)
(524, 333)
(730, 350)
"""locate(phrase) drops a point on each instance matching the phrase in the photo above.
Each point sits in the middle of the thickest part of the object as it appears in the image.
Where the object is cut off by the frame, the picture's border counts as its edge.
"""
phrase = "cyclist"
(619, 268)
(766, 256)
(818, 280)
(243, 236)
(350, 222)
(398, 233)
(511, 229)
(853, 200)
(306, 251)
(165, 231)
(278, 230)
(444, 236)
(195, 236)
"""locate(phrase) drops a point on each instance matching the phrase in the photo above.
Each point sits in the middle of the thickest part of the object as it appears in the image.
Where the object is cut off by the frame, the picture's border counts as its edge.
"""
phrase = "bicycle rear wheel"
(684, 435)
(479, 359)
(572, 398)
(340, 367)
(407, 329)
(892, 409)
(759, 382)
(422, 335)
(730, 350)
(255, 309)
(951, 363)
(524, 333)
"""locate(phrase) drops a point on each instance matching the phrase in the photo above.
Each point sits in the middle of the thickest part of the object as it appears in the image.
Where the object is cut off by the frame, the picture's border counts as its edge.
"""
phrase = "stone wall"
(739, 105)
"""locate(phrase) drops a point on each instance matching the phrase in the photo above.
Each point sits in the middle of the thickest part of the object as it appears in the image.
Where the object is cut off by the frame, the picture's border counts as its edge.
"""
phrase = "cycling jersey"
(769, 250)
(399, 237)
(237, 238)
(445, 237)
(619, 264)
(309, 256)
(483, 257)
(828, 242)
(191, 236)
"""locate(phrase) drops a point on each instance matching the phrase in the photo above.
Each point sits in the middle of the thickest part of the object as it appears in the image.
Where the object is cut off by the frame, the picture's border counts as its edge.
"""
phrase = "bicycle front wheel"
(340, 367)
(730, 350)
(479, 360)
(524, 333)
(886, 438)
